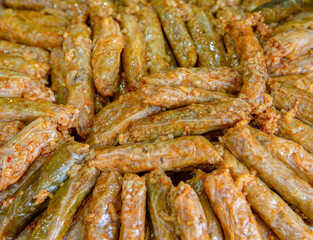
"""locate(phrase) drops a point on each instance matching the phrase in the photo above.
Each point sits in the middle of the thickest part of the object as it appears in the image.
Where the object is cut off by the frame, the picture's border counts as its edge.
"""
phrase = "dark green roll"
(33, 195)
(58, 217)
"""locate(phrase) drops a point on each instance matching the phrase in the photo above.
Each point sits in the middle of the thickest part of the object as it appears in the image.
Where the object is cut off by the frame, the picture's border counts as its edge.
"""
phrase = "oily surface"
(152, 120)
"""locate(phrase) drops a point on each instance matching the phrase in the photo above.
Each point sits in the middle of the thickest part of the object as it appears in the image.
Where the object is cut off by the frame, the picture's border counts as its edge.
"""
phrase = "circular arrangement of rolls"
(156, 119)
